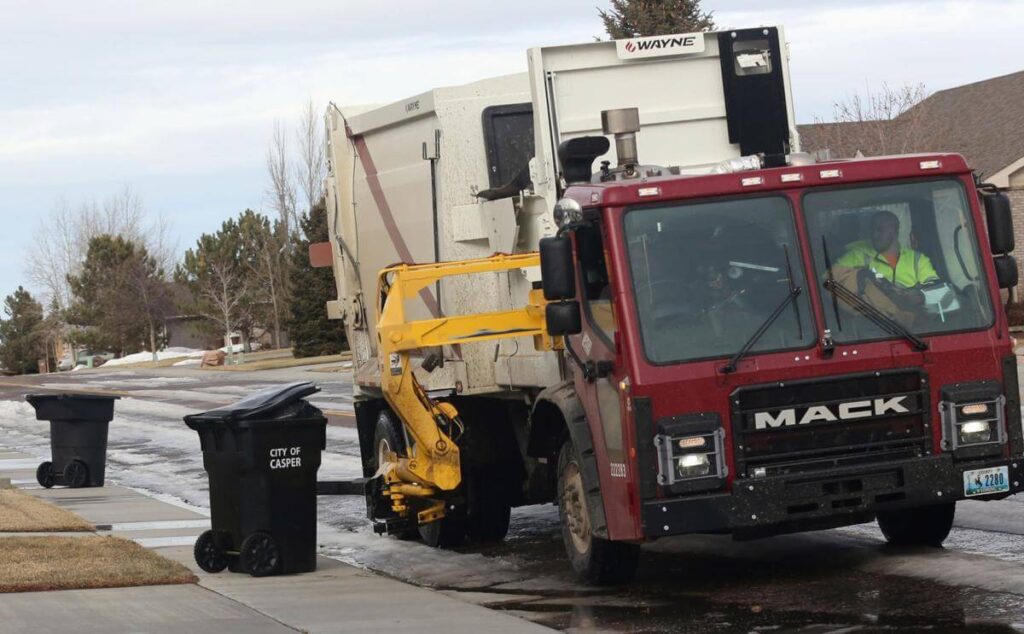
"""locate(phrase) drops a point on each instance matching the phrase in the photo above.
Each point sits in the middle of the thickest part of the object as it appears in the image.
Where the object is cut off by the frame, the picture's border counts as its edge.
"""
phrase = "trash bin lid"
(37, 398)
(72, 406)
(259, 404)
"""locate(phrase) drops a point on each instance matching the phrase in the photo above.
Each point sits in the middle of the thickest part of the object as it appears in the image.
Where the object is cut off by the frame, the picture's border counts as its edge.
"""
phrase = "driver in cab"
(885, 273)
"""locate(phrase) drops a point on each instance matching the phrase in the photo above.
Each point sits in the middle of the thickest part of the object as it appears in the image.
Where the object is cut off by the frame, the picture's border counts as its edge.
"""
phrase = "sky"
(178, 99)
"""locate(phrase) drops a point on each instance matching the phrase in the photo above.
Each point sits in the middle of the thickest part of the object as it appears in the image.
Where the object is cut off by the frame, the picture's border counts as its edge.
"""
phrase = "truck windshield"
(708, 275)
(909, 250)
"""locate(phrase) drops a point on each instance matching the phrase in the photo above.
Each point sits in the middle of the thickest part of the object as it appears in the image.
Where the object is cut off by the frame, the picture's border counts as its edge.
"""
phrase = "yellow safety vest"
(912, 268)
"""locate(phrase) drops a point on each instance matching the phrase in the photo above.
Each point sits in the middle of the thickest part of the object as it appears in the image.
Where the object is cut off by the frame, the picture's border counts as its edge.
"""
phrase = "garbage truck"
(615, 283)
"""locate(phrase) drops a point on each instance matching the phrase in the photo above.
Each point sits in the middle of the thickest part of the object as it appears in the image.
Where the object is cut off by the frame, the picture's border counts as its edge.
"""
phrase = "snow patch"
(142, 357)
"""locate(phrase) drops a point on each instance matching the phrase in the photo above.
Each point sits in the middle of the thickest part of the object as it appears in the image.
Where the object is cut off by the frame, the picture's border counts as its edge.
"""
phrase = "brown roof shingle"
(984, 121)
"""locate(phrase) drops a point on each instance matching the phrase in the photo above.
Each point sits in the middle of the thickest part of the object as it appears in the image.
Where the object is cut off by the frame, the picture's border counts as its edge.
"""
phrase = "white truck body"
(403, 178)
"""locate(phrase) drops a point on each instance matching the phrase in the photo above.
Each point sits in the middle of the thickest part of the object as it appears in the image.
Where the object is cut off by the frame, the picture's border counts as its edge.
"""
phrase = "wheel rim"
(44, 474)
(74, 474)
(209, 557)
(574, 508)
(263, 555)
(383, 449)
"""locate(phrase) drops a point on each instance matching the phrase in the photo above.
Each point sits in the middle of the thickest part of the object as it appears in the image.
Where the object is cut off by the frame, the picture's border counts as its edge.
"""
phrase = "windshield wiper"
(865, 308)
(794, 292)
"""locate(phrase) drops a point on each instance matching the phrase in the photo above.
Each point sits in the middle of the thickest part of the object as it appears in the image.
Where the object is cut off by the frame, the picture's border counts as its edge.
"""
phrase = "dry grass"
(30, 564)
(21, 512)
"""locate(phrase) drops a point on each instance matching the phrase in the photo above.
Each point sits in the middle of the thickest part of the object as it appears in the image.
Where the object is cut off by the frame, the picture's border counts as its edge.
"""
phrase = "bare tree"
(311, 165)
(62, 238)
(223, 293)
(55, 254)
(282, 180)
(877, 123)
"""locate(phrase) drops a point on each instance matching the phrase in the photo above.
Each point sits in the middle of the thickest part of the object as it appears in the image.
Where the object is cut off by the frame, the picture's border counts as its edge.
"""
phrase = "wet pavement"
(842, 580)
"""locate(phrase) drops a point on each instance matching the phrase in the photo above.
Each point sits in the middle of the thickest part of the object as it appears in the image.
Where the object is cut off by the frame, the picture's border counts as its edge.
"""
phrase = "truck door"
(600, 395)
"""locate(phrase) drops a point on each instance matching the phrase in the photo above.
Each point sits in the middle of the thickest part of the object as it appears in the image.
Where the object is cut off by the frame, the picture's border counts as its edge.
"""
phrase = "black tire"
(208, 554)
(259, 555)
(76, 474)
(925, 526)
(447, 532)
(488, 510)
(44, 474)
(388, 432)
(595, 560)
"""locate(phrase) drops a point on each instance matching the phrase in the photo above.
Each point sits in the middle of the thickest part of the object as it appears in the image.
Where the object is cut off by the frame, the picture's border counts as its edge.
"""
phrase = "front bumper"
(785, 504)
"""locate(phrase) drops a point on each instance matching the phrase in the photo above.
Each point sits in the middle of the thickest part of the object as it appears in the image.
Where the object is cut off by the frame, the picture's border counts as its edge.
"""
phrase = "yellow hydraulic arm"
(433, 461)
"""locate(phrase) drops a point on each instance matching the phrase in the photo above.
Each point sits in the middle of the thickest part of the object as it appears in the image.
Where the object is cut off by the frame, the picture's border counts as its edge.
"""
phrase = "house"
(983, 121)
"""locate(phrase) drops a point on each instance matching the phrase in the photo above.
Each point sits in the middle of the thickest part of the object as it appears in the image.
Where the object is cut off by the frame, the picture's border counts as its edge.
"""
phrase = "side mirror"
(1006, 270)
(999, 218)
(558, 275)
(563, 319)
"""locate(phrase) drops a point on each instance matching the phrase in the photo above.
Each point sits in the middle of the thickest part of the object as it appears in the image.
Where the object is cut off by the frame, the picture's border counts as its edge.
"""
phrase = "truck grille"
(807, 426)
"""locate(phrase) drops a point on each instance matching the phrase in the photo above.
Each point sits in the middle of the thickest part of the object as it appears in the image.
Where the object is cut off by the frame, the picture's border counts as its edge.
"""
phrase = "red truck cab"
(754, 357)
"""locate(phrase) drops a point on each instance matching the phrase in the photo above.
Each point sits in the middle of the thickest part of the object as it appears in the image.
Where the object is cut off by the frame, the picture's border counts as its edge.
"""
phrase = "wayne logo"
(851, 410)
(659, 45)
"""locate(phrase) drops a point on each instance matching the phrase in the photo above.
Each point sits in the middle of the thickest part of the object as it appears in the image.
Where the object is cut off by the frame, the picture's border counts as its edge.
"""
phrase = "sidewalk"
(335, 598)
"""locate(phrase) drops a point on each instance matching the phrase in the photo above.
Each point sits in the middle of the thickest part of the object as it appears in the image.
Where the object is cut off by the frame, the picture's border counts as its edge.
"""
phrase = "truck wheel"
(488, 510)
(259, 555)
(44, 474)
(76, 474)
(595, 560)
(926, 526)
(208, 555)
(387, 436)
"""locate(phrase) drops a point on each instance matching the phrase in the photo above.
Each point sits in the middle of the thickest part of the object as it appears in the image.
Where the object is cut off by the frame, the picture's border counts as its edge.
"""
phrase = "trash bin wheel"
(44, 474)
(208, 555)
(76, 474)
(259, 555)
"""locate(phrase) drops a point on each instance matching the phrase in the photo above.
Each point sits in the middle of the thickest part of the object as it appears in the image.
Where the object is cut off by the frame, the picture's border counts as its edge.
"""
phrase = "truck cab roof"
(830, 173)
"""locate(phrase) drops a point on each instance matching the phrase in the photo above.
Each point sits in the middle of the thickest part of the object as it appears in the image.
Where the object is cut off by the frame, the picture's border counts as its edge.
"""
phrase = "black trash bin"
(261, 456)
(78, 438)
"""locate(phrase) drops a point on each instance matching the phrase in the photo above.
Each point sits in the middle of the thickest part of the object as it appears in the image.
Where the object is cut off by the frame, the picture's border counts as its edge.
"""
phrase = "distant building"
(983, 121)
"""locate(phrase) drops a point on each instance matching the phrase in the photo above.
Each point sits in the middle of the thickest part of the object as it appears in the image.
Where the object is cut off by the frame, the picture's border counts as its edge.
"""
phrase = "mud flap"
(563, 396)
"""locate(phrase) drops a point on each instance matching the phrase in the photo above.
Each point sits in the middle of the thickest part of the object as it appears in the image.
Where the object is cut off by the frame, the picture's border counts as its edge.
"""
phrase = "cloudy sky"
(177, 99)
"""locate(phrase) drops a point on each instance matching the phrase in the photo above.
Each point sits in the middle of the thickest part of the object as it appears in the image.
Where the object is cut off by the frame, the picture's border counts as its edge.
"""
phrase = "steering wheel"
(672, 300)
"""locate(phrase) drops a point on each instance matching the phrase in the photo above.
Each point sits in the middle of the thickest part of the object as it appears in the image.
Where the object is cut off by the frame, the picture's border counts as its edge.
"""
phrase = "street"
(830, 581)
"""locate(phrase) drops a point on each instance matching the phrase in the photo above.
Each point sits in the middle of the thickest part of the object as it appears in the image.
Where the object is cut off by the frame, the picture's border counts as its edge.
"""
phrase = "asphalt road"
(843, 580)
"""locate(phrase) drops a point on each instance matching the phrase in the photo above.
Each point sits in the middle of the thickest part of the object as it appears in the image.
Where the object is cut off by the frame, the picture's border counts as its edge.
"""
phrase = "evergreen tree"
(640, 18)
(120, 298)
(21, 344)
(312, 334)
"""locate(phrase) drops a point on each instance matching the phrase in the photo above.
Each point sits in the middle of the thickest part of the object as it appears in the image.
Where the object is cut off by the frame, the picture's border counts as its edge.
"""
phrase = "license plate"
(985, 481)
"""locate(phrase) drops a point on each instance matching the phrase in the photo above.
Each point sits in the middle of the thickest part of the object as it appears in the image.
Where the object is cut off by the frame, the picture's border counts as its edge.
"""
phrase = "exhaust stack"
(623, 123)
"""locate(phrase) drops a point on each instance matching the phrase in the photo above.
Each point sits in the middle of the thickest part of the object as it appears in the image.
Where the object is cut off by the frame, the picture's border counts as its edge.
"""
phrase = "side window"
(597, 298)
(508, 141)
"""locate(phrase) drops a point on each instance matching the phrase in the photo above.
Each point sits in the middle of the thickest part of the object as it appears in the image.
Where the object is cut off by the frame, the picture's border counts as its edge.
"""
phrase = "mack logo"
(658, 45)
(851, 410)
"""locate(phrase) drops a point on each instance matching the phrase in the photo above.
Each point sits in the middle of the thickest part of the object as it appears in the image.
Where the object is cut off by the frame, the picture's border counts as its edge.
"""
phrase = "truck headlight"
(975, 432)
(694, 465)
(690, 456)
(978, 421)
